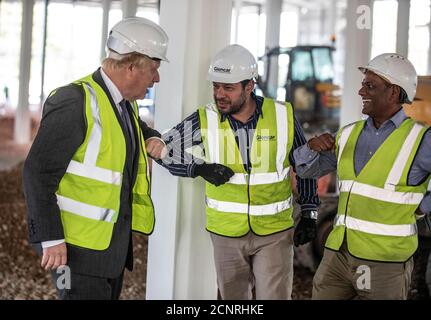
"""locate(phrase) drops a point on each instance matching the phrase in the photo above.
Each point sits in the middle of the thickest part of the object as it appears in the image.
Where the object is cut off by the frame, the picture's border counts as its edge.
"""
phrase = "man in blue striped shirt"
(248, 260)
(389, 81)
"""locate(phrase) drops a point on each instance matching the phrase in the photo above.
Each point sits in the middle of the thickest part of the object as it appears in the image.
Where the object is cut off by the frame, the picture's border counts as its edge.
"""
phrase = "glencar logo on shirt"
(222, 70)
(265, 138)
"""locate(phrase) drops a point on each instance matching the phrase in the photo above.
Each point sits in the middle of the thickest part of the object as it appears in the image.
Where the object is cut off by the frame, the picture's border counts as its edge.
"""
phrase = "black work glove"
(214, 173)
(305, 231)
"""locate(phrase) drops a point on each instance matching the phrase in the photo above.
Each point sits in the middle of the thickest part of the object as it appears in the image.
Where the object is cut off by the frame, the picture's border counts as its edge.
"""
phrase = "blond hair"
(117, 61)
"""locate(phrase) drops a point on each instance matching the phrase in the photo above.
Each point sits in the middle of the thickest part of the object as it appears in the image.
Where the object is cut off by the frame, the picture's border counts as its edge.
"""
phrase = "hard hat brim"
(376, 72)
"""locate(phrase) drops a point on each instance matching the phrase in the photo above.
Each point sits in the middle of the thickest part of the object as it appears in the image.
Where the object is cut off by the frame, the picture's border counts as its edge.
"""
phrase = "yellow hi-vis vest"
(261, 200)
(89, 193)
(376, 208)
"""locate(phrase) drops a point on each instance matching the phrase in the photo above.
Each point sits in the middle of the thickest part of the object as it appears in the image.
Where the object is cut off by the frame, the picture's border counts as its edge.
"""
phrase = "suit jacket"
(62, 131)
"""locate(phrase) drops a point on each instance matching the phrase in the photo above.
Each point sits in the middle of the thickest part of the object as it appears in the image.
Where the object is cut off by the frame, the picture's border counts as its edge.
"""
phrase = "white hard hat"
(138, 35)
(395, 69)
(232, 64)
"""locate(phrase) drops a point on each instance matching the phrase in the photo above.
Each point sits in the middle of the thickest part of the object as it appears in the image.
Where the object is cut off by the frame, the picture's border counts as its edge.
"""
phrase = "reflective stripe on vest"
(262, 210)
(260, 178)
(96, 173)
(399, 230)
(96, 134)
(345, 134)
(397, 169)
(85, 210)
(282, 136)
(212, 136)
(381, 194)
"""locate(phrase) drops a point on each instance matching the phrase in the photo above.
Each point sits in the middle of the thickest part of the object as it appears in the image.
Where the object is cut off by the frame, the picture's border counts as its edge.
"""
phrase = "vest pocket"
(143, 213)
(86, 232)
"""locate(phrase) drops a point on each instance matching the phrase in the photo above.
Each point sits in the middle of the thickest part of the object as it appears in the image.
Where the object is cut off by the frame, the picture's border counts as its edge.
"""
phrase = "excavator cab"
(305, 78)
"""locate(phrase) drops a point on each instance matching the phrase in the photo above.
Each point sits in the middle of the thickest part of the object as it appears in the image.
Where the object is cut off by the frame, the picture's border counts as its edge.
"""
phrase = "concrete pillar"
(403, 27)
(106, 6)
(429, 58)
(180, 255)
(129, 8)
(323, 22)
(332, 17)
(22, 129)
(358, 50)
(238, 5)
(272, 39)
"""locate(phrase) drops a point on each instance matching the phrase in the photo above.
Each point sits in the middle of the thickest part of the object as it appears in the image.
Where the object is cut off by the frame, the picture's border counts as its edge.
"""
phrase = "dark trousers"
(84, 287)
(340, 276)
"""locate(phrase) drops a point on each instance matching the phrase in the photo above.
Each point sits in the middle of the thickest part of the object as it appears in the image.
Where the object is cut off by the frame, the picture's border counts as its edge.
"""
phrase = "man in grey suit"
(86, 178)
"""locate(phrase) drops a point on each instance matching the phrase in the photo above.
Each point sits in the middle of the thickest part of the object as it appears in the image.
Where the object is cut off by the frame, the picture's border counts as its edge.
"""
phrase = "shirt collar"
(258, 111)
(113, 90)
(397, 119)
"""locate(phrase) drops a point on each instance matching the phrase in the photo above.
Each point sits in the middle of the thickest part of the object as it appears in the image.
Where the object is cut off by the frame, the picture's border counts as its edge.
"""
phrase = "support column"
(43, 62)
(429, 48)
(22, 129)
(180, 254)
(403, 27)
(272, 39)
(332, 16)
(238, 6)
(358, 44)
(106, 5)
(129, 8)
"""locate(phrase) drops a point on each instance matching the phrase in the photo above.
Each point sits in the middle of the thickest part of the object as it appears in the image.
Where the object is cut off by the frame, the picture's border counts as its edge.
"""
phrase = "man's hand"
(54, 256)
(305, 231)
(324, 142)
(214, 173)
(156, 149)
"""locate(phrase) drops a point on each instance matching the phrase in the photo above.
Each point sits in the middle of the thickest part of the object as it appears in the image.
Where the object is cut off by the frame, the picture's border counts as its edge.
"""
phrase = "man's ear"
(395, 95)
(250, 86)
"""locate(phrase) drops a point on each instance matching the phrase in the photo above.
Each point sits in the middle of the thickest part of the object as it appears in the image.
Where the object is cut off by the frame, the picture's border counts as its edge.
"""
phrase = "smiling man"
(250, 217)
(383, 171)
